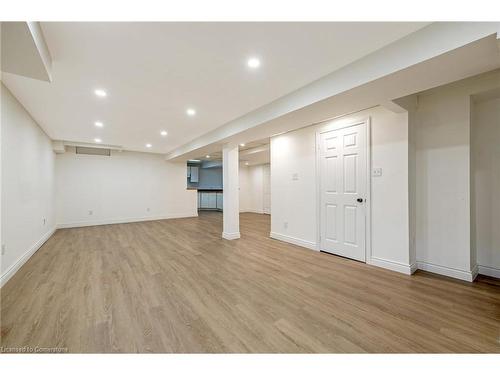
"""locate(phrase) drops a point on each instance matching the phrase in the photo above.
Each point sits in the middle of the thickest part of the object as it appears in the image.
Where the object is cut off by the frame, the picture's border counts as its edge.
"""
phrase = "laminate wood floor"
(176, 286)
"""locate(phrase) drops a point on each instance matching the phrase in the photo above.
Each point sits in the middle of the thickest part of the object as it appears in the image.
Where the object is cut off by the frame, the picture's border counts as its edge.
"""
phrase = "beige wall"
(485, 185)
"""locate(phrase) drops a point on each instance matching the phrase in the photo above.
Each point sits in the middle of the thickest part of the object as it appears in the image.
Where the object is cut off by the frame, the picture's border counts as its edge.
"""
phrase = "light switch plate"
(377, 172)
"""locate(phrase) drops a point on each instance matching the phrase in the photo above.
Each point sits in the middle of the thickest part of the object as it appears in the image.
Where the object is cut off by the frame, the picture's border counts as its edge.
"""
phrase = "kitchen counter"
(210, 199)
(204, 189)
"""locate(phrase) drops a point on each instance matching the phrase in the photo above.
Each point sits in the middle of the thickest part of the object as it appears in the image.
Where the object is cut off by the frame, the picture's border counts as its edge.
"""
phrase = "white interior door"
(266, 188)
(343, 189)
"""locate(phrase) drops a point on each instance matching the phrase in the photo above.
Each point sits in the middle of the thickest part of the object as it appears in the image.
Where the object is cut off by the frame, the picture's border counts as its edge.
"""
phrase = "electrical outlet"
(295, 177)
(3, 249)
(147, 209)
(285, 224)
(44, 220)
(377, 172)
(91, 212)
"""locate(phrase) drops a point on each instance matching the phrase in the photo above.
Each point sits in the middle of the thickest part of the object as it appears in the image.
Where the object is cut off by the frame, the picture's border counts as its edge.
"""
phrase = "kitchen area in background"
(204, 174)
(206, 177)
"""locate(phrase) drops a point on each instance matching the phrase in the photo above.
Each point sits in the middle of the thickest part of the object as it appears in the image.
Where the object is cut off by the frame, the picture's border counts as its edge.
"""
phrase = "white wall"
(244, 188)
(252, 188)
(28, 215)
(120, 188)
(442, 175)
(485, 185)
(294, 202)
(266, 188)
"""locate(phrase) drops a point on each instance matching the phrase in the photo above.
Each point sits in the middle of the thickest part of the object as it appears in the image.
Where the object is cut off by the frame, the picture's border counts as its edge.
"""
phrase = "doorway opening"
(255, 179)
(485, 182)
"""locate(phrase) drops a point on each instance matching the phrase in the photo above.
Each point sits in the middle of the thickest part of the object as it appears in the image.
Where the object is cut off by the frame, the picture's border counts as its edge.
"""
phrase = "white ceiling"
(154, 71)
(252, 153)
(260, 155)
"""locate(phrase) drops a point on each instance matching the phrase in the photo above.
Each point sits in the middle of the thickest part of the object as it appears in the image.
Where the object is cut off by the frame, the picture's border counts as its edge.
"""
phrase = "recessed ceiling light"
(253, 63)
(191, 112)
(97, 140)
(163, 133)
(101, 93)
(246, 163)
(149, 145)
(208, 156)
(242, 144)
(99, 124)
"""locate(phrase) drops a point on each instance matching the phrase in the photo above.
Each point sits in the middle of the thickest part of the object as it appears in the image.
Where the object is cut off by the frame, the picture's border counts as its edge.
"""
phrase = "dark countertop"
(206, 190)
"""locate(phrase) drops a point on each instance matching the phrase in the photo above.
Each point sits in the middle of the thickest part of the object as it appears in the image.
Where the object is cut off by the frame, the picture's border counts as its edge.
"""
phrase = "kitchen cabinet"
(202, 200)
(210, 200)
(219, 200)
(194, 174)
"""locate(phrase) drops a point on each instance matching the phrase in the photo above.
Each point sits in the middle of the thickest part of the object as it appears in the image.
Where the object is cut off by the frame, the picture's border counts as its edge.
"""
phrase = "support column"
(231, 201)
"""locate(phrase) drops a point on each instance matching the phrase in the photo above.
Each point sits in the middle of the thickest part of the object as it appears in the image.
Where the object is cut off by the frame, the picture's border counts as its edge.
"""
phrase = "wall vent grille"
(93, 151)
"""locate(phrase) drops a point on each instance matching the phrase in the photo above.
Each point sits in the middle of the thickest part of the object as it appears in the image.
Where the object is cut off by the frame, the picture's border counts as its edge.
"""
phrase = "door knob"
(360, 200)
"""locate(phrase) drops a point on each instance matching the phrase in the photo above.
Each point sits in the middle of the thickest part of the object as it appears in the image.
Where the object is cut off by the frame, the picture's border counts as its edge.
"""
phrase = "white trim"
(295, 241)
(413, 268)
(447, 271)
(368, 199)
(124, 221)
(489, 271)
(9, 272)
(337, 124)
(253, 211)
(231, 236)
(407, 269)
(475, 272)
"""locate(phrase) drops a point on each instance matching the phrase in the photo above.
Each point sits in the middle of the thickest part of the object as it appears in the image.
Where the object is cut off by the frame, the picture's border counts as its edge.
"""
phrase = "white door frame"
(338, 124)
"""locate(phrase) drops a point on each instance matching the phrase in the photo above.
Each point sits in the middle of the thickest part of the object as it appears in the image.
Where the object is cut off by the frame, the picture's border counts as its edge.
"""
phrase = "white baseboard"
(475, 272)
(294, 240)
(252, 211)
(489, 271)
(231, 236)
(407, 269)
(413, 268)
(24, 258)
(447, 271)
(124, 221)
